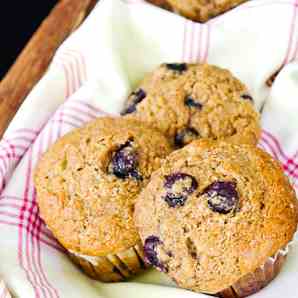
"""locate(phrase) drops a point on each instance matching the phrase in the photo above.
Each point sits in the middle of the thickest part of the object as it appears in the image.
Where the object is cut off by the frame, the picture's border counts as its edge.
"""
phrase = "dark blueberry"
(247, 97)
(185, 136)
(180, 67)
(175, 200)
(135, 98)
(190, 102)
(222, 196)
(179, 186)
(124, 162)
(150, 252)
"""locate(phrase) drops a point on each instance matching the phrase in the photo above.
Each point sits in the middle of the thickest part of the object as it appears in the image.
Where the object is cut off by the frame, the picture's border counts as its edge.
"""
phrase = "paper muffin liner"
(112, 267)
(257, 280)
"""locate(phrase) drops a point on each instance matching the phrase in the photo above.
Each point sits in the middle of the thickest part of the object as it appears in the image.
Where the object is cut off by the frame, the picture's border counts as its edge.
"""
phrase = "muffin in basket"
(198, 10)
(193, 101)
(217, 217)
(87, 183)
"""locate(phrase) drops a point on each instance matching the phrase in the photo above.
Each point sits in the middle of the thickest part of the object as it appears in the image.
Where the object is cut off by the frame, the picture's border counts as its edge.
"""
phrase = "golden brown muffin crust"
(192, 101)
(202, 10)
(207, 249)
(87, 207)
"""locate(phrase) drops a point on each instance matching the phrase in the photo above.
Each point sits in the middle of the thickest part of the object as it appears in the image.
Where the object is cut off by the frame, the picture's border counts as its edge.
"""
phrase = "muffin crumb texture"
(88, 181)
(214, 213)
(198, 10)
(195, 101)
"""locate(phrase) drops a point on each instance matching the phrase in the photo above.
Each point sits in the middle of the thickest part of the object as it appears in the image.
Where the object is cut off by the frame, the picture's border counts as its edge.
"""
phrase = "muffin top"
(202, 10)
(193, 101)
(87, 183)
(214, 212)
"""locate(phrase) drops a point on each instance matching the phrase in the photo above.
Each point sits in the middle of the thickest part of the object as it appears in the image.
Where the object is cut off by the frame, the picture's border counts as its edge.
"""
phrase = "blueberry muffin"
(200, 10)
(87, 184)
(161, 3)
(193, 101)
(217, 218)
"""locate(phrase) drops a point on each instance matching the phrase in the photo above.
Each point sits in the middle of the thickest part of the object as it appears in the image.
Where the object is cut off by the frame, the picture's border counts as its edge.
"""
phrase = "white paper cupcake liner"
(260, 278)
(113, 267)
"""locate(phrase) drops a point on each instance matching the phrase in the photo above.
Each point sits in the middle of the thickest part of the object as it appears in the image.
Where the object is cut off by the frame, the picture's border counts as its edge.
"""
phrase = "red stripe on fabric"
(33, 216)
(81, 63)
(14, 146)
(77, 67)
(9, 214)
(246, 6)
(185, 48)
(184, 41)
(72, 86)
(192, 52)
(205, 57)
(8, 223)
(72, 66)
(11, 198)
(66, 79)
(69, 115)
(285, 162)
(29, 252)
(295, 52)
(51, 138)
(276, 143)
(188, 41)
(10, 205)
(72, 70)
(198, 58)
(55, 292)
(51, 242)
(70, 123)
(34, 257)
(5, 157)
(33, 230)
(202, 43)
(20, 138)
(291, 33)
(92, 107)
(21, 240)
(270, 148)
(7, 153)
(27, 130)
(81, 111)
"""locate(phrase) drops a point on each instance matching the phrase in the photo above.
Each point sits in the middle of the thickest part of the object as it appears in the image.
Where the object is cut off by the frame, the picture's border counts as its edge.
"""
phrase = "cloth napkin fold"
(91, 75)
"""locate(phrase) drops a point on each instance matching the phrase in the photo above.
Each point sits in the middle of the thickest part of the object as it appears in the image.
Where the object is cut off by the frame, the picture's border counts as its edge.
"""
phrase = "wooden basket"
(34, 60)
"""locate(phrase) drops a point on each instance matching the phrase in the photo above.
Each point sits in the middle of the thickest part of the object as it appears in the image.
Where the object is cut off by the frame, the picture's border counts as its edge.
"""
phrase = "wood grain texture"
(35, 58)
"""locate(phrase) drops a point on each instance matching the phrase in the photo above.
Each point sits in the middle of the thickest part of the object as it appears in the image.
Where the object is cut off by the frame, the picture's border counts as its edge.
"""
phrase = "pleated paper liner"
(260, 278)
(113, 267)
(254, 282)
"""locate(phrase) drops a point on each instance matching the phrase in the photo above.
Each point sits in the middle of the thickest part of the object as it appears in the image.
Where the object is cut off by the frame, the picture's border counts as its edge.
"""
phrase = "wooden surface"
(35, 58)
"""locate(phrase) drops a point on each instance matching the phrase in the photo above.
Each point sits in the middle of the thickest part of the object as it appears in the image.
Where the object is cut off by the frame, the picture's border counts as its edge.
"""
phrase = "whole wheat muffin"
(216, 217)
(87, 183)
(198, 10)
(192, 101)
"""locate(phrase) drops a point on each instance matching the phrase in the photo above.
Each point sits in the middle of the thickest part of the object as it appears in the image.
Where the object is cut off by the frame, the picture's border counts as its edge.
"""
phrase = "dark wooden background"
(18, 21)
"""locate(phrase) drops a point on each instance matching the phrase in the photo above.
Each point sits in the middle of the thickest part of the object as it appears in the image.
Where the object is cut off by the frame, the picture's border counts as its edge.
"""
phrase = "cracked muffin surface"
(198, 10)
(194, 101)
(215, 212)
(87, 183)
